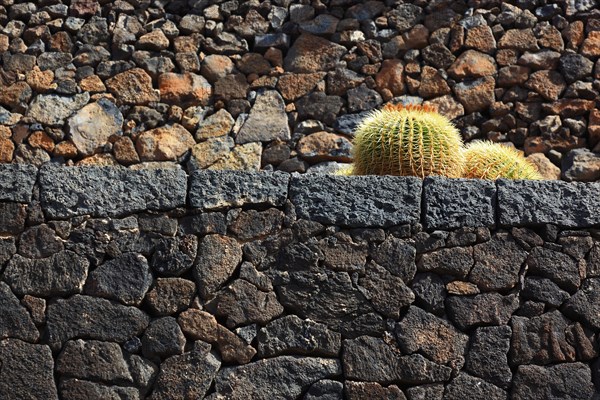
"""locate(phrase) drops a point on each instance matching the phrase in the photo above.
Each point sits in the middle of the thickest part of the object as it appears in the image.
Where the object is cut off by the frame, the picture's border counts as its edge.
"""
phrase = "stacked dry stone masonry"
(281, 84)
(153, 284)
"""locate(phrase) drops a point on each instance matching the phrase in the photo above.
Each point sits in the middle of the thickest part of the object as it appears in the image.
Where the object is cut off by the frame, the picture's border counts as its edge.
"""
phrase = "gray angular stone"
(456, 203)
(388, 293)
(92, 126)
(374, 201)
(466, 312)
(487, 357)
(76, 389)
(397, 256)
(325, 390)
(574, 67)
(93, 318)
(405, 16)
(163, 338)
(430, 293)
(186, 376)
(93, 360)
(174, 256)
(221, 189)
(581, 165)
(108, 191)
(12, 218)
(39, 241)
(363, 99)
(371, 359)
(319, 106)
(566, 204)
(15, 321)
(61, 274)
(544, 290)
(557, 266)
(126, 279)
(540, 340)
(267, 120)
(424, 333)
(497, 263)
(425, 392)
(241, 303)
(284, 377)
(312, 54)
(585, 304)
(16, 182)
(456, 261)
(571, 381)
(170, 295)
(218, 257)
(467, 387)
(7, 249)
(373, 390)
(292, 335)
(27, 371)
(348, 123)
(52, 109)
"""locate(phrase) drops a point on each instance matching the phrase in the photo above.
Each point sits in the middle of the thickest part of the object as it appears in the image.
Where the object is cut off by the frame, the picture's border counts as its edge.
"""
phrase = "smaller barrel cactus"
(408, 141)
(488, 160)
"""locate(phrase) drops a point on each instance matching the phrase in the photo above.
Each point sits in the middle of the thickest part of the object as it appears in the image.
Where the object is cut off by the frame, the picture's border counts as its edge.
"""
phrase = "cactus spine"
(488, 160)
(408, 140)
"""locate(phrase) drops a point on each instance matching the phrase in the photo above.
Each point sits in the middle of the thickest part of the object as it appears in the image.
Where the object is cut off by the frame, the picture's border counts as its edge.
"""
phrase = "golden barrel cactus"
(488, 160)
(408, 141)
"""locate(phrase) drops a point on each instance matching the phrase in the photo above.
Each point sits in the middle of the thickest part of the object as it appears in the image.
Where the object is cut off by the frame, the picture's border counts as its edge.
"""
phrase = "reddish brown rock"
(65, 149)
(549, 84)
(433, 83)
(92, 126)
(124, 151)
(594, 128)
(506, 57)
(15, 95)
(447, 106)
(7, 148)
(313, 54)
(41, 140)
(591, 45)
(574, 34)
(40, 81)
(550, 37)
(215, 67)
(416, 38)
(481, 38)
(155, 41)
(184, 89)
(103, 159)
(324, 146)
(84, 8)
(92, 84)
(4, 43)
(391, 77)
(133, 87)
(472, 64)
(294, 86)
(233, 86)
(512, 75)
(218, 124)
(570, 107)
(254, 63)
(164, 144)
(544, 165)
(519, 39)
(476, 95)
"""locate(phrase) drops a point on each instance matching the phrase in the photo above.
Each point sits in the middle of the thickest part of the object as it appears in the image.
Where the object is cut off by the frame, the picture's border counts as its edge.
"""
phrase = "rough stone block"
(456, 203)
(220, 189)
(16, 182)
(360, 201)
(566, 204)
(101, 191)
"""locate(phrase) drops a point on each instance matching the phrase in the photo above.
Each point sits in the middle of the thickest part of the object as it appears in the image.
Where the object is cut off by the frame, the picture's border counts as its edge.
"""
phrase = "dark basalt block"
(16, 182)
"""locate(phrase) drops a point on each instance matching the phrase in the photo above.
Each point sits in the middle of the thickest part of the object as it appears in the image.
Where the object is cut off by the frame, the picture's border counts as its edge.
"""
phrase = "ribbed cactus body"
(488, 160)
(411, 140)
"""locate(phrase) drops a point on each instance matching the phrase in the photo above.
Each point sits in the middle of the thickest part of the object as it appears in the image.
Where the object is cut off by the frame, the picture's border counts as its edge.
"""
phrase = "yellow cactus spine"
(488, 160)
(408, 141)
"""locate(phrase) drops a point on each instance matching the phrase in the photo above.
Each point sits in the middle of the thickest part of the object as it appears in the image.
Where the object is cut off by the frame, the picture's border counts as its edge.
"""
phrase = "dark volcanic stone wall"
(281, 84)
(229, 285)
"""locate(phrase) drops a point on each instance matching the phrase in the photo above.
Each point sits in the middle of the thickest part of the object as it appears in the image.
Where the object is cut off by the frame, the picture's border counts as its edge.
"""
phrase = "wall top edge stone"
(363, 201)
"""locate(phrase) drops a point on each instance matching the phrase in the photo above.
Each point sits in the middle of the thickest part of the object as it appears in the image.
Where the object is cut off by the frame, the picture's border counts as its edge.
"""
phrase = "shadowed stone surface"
(26, 371)
(371, 359)
(16, 182)
(67, 192)
(219, 189)
(487, 355)
(548, 202)
(15, 321)
(75, 389)
(455, 203)
(466, 387)
(93, 318)
(256, 380)
(561, 381)
(292, 335)
(61, 274)
(375, 201)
